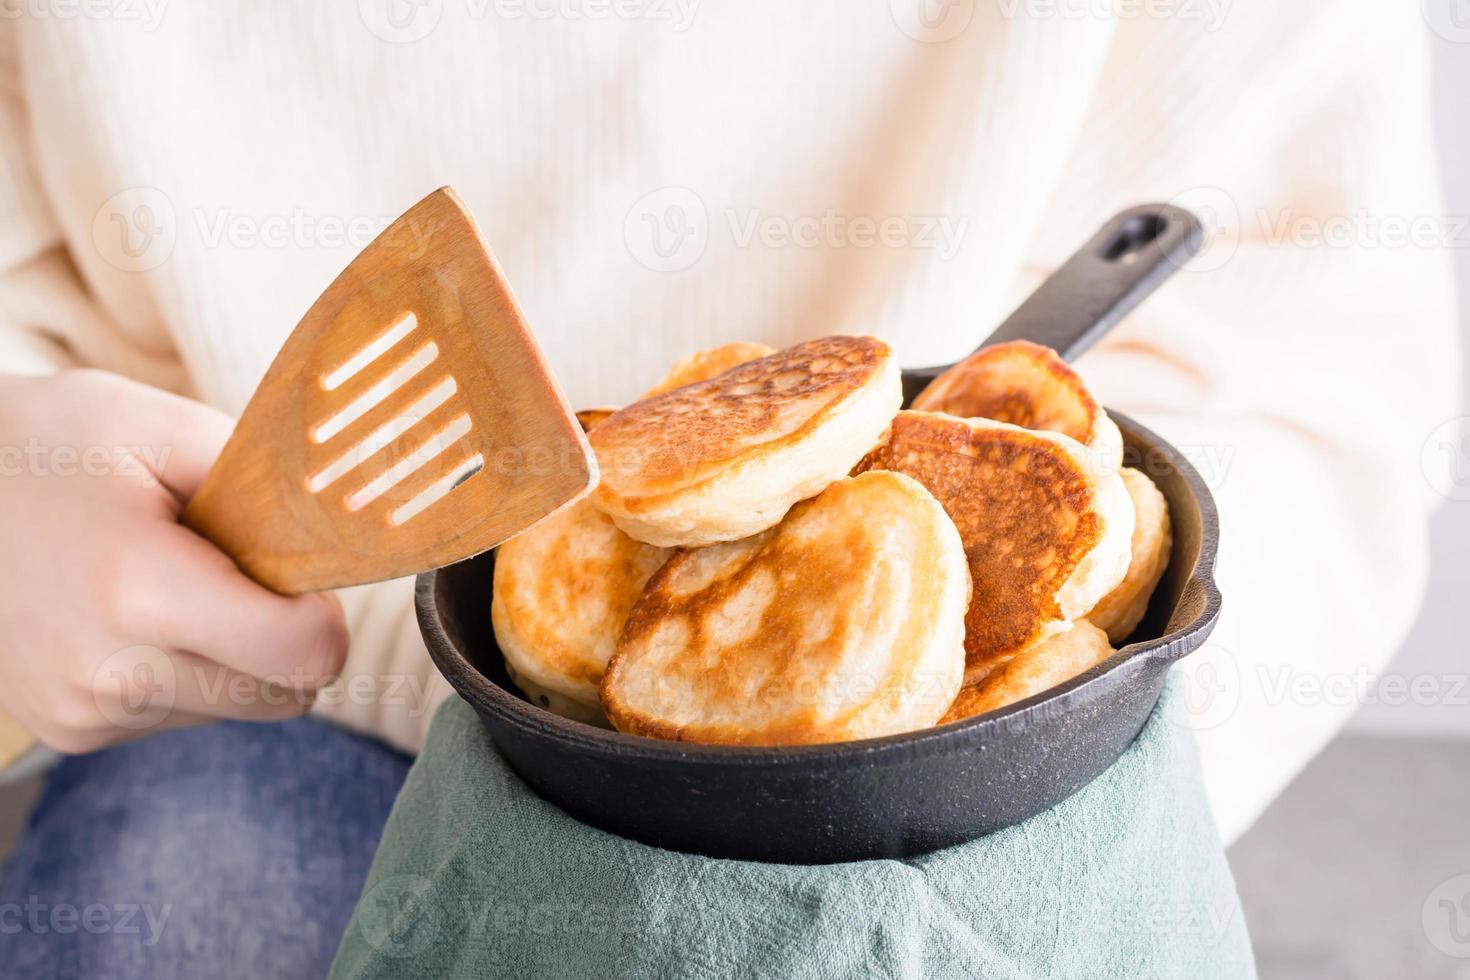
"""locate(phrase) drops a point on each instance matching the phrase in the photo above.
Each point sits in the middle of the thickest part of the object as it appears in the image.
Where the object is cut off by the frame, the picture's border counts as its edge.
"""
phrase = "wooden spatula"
(409, 422)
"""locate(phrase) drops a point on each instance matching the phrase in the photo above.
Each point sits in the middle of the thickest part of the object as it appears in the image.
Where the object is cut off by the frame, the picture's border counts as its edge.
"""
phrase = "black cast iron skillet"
(903, 794)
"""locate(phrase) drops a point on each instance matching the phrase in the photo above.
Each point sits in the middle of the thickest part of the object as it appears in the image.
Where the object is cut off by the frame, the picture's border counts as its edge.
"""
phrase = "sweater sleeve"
(39, 289)
(1303, 362)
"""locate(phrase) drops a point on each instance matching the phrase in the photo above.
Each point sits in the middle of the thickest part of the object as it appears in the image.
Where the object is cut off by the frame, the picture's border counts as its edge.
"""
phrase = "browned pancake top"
(1018, 382)
(1023, 508)
(676, 439)
(708, 364)
(788, 636)
(566, 586)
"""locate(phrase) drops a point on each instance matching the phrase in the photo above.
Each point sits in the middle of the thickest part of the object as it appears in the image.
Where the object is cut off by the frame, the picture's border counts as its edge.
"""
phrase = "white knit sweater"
(179, 181)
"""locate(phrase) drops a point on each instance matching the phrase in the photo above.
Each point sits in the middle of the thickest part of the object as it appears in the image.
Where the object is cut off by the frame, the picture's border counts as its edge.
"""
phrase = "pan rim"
(1144, 656)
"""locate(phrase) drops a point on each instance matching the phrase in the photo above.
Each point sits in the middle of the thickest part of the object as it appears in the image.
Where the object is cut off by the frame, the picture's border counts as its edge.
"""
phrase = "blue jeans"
(235, 850)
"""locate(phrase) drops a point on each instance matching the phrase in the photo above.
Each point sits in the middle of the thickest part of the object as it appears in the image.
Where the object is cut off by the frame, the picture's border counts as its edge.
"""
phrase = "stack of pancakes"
(775, 554)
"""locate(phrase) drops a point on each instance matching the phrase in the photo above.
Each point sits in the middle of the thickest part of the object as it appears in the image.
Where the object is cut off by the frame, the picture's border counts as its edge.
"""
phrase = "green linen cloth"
(479, 877)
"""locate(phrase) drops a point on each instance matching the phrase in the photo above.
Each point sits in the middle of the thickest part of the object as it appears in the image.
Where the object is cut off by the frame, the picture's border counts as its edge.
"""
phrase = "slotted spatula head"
(409, 422)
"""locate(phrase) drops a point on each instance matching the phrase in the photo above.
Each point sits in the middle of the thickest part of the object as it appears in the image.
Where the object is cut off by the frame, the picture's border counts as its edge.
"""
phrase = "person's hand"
(114, 618)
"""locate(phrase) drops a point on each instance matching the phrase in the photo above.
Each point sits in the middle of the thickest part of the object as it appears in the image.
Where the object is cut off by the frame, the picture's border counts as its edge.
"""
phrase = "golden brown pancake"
(561, 592)
(843, 622)
(1028, 385)
(1046, 528)
(1121, 610)
(1042, 667)
(724, 458)
(707, 364)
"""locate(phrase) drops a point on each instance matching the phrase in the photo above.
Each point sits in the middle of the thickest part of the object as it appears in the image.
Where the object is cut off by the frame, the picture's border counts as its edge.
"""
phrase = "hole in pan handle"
(1129, 257)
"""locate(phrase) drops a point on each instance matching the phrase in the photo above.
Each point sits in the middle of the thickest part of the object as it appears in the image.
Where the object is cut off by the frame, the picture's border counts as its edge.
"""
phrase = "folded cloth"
(477, 876)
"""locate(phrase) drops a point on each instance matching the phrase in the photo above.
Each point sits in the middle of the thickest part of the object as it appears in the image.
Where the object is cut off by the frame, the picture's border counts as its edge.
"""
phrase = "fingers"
(184, 594)
(145, 690)
(187, 439)
(174, 440)
(210, 691)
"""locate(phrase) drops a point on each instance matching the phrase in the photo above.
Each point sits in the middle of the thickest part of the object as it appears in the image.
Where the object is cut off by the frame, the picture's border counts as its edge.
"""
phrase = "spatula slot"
(374, 350)
(369, 399)
(426, 452)
(437, 490)
(382, 436)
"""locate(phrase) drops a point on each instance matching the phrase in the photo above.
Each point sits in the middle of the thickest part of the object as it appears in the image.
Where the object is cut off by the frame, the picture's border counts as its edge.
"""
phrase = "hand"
(114, 618)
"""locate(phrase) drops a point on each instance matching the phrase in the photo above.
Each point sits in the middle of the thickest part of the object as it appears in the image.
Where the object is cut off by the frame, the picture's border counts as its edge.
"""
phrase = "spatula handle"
(1127, 259)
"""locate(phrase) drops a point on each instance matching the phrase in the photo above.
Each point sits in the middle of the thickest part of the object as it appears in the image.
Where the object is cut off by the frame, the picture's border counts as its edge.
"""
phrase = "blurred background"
(1361, 869)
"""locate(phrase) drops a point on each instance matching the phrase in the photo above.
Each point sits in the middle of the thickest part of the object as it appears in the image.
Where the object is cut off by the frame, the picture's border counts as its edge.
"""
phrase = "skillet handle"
(1102, 282)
